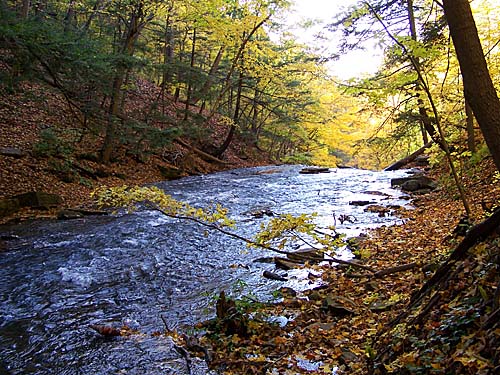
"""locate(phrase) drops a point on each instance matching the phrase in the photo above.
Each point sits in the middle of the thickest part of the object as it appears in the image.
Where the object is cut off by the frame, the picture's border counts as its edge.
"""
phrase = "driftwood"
(401, 163)
(314, 170)
(287, 264)
(386, 271)
(202, 154)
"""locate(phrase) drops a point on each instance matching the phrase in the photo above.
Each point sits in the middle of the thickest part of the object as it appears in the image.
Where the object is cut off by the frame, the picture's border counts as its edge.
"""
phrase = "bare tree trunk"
(211, 77)
(168, 56)
(70, 15)
(177, 92)
(86, 27)
(134, 29)
(425, 121)
(469, 118)
(478, 86)
(25, 9)
(227, 80)
(236, 116)
(190, 77)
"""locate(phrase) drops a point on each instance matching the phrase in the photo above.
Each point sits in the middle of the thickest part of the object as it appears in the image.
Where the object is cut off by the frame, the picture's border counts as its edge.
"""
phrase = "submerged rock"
(359, 203)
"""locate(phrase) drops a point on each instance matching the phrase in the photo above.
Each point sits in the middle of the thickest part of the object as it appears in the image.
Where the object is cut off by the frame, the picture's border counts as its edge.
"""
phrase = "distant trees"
(419, 82)
(213, 58)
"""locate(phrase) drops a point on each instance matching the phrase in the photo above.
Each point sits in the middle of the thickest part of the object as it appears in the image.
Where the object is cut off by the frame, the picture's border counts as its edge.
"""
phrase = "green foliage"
(50, 144)
(299, 158)
(44, 49)
(482, 153)
(85, 182)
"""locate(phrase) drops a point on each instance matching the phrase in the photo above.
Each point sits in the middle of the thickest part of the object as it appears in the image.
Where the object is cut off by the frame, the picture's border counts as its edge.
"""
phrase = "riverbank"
(350, 323)
(44, 147)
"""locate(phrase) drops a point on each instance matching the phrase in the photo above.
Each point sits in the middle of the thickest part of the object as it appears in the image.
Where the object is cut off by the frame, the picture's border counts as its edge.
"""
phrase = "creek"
(145, 270)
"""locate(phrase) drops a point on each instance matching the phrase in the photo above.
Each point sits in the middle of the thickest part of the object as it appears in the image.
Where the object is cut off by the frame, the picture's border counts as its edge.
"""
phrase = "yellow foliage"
(154, 197)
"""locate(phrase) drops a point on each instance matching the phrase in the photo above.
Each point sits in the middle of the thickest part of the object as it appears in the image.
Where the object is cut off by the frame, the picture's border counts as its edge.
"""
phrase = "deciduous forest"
(97, 94)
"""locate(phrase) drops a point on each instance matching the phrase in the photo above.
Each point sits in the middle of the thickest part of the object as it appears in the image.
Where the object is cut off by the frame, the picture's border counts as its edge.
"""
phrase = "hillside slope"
(45, 146)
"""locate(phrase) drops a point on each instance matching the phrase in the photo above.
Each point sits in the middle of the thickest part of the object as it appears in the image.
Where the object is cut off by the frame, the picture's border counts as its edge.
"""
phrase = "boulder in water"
(314, 170)
(69, 215)
(359, 203)
(414, 183)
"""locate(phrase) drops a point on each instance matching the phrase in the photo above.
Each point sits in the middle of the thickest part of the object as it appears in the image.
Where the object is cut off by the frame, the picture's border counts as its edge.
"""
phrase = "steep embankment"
(46, 145)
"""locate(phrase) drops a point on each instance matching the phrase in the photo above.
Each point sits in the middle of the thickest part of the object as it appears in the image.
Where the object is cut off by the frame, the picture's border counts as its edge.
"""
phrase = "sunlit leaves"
(287, 230)
(154, 197)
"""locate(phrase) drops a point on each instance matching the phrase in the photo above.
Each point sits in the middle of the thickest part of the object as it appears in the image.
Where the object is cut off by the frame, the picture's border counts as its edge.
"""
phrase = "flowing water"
(144, 270)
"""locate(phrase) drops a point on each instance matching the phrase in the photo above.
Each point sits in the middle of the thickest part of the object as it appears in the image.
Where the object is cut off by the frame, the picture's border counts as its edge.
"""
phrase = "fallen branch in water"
(215, 217)
(263, 246)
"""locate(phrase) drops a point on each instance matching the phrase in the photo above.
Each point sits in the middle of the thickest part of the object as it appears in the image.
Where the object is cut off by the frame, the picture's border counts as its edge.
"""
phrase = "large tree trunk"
(220, 151)
(478, 87)
(25, 9)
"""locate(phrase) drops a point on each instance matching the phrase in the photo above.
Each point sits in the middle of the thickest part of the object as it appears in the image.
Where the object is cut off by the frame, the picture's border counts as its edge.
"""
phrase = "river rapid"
(145, 270)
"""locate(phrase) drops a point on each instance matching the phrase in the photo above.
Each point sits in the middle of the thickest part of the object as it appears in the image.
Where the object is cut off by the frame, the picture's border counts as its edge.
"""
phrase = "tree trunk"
(25, 10)
(478, 86)
(70, 16)
(425, 121)
(134, 29)
(401, 163)
(87, 24)
(211, 77)
(190, 78)
(236, 116)
(469, 118)
(168, 57)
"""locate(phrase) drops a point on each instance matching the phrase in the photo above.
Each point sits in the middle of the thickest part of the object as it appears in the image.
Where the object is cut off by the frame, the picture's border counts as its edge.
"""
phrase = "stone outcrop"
(32, 199)
(8, 206)
(12, 152)
(415, 183)
(38, 199)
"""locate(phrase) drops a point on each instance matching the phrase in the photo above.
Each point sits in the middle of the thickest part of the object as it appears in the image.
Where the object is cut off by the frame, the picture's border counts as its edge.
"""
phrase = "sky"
(348, 66)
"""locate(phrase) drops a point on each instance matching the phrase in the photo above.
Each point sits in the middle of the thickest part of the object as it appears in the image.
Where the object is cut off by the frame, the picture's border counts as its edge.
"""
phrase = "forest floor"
(360, 321)
(59, 155)
(369, 322)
